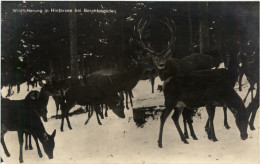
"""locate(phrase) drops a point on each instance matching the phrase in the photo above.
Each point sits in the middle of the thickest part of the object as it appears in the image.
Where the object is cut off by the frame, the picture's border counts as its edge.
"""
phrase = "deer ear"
(53, 133)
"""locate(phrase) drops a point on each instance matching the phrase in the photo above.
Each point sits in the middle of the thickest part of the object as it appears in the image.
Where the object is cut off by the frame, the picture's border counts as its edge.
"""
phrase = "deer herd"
(188, 84)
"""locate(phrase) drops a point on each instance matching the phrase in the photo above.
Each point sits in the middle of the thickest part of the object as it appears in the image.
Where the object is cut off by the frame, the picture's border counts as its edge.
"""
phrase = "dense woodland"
(85, 42)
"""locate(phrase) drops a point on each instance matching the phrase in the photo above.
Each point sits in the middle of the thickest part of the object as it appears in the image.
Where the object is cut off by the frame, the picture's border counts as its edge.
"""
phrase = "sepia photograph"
(130, 82)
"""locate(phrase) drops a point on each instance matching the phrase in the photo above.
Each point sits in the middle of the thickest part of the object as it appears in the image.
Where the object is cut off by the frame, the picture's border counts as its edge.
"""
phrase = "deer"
(21, 116)
(126, 79)
(62, 86)
(42, 112)
(167, 66)
(250, 68)
(211, 91)
(98, 90)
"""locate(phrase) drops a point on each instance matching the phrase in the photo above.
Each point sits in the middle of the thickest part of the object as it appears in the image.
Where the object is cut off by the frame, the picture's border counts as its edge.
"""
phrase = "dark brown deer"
(98, 90)
(42, 112)
(210, 91)
(125, 80)
(21, 116)
(250, 68)
(63, 86)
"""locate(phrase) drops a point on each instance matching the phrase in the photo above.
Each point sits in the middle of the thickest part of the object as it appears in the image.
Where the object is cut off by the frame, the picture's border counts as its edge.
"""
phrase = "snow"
(121, 141)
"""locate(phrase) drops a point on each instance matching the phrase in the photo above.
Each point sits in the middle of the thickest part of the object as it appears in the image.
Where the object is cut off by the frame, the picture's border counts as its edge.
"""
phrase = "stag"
(167, 66)
(22, 116)
(98, 90)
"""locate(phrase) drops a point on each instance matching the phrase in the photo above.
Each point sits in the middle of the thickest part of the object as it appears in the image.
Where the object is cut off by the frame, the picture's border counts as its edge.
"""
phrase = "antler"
(140, 31)
(172, 28)
(169, 23)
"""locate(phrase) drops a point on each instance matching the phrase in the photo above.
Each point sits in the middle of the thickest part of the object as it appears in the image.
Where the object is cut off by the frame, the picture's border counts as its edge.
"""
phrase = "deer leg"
(225, 118)
(247, 95)
(57, 108)
(62, 122)
(100, 113)
(106, 111)
(28, 86)
(9, 91)
(190, 121)
(38, 147)
(252, 93)
(26, 143)
(4, 147)
(131, 96)
(126, 100)
(175, 118)
(68, 122)
(152, 83)
(30, 142)
(186, 135)
(207, 126)
(20, 138)
(253, 107)
(252, 119)
(65, 113)
(18, 88)
(90, 113)
(211, 114)
(102, 110)
(164, 115)
(98, 120)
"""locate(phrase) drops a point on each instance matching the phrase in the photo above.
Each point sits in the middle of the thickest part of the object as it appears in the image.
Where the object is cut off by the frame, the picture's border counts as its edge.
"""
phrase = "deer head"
(48, 143)
(159, 58)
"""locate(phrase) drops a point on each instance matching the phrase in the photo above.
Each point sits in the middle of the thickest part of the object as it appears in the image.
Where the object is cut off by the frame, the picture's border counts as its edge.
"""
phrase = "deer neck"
(136, 72)
(41, 134)
(43, 98)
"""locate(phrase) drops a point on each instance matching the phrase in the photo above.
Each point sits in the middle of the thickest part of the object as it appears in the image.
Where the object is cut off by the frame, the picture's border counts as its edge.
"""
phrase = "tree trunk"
(190, 28)
(73, 41)
(218, 31)
(204, 28)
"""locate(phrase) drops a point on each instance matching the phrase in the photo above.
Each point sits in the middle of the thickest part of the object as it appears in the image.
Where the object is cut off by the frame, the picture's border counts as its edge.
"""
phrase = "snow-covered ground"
(121, 141)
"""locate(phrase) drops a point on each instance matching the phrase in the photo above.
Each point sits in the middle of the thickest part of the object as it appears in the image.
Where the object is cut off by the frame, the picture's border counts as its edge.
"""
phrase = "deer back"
(17, 115)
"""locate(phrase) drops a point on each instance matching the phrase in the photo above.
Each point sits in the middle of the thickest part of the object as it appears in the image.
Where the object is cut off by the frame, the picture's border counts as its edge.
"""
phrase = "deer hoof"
(227, 126)
(185, 141)
(8, 154)
(215, 140)
(252, 127)
(194, 138)
(206, 129)
(40, 155)
(160, 144)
